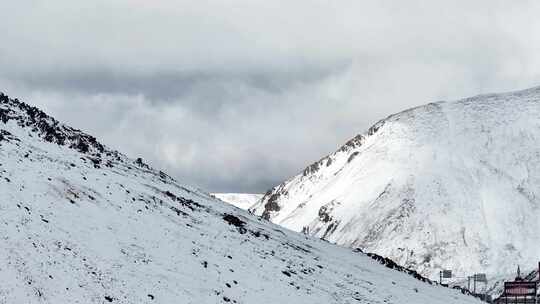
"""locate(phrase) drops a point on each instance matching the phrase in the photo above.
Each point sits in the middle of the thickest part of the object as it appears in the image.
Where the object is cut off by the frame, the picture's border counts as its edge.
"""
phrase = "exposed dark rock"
(324, 214)
(235, 221)
(5, 135)
(375, 127)
(271, 205)
(296, 247)
(330, 229)
(329, 161)
(354, 142)
(352, 156)
(184, 202)
(47, 127)
(140, 162)
(312, 168)
(393, 265)
(258, 233)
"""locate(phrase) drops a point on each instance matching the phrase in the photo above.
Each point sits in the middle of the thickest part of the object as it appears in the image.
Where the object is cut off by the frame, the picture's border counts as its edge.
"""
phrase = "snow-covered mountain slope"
(80, 223)
(448, 185)
(240, 200)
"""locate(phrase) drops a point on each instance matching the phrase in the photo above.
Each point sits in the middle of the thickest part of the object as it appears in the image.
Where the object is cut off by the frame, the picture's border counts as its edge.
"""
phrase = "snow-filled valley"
(240, 200)
(81, 223)
(449, 185)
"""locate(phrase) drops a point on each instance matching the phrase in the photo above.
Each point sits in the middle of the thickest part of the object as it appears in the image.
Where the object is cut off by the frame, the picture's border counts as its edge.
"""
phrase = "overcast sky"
(237, 95)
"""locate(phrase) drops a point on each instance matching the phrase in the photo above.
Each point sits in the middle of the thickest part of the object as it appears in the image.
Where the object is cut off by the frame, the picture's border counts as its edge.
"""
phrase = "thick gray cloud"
(239, 95)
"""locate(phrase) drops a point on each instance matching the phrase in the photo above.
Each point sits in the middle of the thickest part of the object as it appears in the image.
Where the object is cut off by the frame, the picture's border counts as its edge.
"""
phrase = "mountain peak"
(447, 185)
(48, 128)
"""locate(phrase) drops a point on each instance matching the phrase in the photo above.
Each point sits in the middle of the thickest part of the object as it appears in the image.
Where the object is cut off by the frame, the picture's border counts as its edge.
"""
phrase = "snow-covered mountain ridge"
(81, 223)
(448, 185)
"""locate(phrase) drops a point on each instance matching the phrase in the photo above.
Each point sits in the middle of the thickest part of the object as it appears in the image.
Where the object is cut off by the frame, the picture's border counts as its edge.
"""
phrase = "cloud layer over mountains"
(238, 95)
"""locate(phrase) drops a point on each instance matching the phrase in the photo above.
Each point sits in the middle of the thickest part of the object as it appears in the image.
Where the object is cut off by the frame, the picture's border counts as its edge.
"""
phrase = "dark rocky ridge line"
(52, 131)
(389, 263)
(272, 196)
(49, 128)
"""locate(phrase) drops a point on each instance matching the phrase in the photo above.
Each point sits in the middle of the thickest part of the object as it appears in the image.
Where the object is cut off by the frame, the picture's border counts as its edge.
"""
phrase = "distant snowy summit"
(240, 200)
(448, 185)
